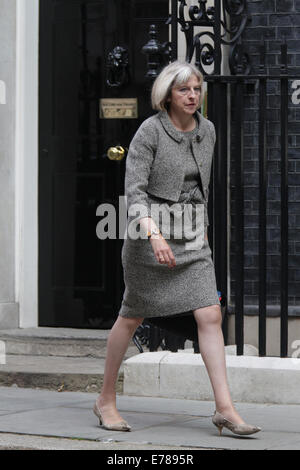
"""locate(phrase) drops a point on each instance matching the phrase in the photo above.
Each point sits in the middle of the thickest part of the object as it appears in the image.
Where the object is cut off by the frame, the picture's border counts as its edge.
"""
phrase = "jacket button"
(198, 138)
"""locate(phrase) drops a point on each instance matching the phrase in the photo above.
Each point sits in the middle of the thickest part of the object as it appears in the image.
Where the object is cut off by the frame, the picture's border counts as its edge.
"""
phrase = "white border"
(26, 155)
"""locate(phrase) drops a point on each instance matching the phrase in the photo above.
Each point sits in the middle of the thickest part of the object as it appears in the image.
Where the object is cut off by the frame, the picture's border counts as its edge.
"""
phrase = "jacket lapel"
(168, 126)
(174, 134)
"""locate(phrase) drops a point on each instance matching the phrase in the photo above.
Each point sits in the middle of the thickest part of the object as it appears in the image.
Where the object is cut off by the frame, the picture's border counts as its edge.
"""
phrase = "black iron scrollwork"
(226, 21)
(117, 65)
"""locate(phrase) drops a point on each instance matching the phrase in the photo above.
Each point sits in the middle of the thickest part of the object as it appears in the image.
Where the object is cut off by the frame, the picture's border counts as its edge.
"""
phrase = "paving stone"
(155, 422)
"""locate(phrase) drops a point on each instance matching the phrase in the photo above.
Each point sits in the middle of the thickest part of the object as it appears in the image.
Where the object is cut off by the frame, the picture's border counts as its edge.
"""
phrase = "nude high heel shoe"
(241, 429)
(121, 426)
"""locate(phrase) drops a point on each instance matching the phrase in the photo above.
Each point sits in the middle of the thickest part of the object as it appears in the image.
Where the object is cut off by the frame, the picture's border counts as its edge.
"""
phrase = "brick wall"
(272, 21)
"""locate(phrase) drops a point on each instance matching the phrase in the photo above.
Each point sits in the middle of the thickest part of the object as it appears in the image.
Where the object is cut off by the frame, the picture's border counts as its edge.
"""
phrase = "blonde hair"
(175, 73)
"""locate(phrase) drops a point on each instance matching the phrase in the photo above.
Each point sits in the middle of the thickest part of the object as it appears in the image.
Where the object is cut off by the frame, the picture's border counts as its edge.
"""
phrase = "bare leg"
(117, 345)
(211, 344)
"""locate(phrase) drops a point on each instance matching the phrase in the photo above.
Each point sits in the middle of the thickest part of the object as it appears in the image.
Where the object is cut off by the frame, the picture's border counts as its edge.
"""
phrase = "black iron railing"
(218, 89)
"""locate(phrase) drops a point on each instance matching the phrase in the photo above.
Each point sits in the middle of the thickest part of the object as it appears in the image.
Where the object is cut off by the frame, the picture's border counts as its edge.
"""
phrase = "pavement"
(52, 420)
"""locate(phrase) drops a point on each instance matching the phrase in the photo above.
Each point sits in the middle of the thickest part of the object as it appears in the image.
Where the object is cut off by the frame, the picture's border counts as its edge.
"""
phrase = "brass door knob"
(116, 153)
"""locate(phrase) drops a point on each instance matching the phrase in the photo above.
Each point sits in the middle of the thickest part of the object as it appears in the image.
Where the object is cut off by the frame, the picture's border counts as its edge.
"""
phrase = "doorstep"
(64, 359)
(64, 342)
(43, 341)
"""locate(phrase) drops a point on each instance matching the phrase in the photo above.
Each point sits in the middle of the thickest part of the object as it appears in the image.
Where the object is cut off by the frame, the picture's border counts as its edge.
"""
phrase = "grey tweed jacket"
(155, 161)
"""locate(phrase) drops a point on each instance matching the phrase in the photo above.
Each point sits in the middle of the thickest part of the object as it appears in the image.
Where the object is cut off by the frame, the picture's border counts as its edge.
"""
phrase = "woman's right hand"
(162, 251)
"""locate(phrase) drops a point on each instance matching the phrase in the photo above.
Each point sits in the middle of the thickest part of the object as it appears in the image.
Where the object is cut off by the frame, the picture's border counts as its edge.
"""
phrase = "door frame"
(26, 162)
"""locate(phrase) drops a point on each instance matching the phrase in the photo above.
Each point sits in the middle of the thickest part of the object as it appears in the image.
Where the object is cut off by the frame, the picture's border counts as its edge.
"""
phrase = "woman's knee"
(210, 315)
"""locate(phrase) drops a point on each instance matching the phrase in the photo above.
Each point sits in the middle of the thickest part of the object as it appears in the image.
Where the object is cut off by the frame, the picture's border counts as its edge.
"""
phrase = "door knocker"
(117, 64)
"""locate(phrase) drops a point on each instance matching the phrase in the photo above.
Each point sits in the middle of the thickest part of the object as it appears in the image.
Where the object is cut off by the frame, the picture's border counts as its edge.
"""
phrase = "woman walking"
(168, 268)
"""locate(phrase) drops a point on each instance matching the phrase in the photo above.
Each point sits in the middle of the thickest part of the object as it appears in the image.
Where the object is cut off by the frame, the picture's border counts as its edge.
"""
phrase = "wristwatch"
(153, 231)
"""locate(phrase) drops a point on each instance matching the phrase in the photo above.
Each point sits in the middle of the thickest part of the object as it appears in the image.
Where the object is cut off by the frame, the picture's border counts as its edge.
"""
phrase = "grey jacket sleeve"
(213, 138)
(138, 164)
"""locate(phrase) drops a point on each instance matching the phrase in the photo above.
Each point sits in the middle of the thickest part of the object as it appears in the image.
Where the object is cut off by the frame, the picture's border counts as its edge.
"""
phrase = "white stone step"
(183, 375)
(56, 358)
(66, 342)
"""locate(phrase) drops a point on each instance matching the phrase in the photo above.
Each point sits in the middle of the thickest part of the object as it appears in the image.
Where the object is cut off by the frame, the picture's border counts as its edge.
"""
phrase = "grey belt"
(186, 205)
(194, 195)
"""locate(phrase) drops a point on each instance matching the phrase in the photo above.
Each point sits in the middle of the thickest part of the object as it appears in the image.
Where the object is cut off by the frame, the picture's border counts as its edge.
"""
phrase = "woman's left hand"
(162, 251)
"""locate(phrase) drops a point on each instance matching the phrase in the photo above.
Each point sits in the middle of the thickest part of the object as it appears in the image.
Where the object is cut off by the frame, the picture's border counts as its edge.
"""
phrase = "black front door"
(80, 275)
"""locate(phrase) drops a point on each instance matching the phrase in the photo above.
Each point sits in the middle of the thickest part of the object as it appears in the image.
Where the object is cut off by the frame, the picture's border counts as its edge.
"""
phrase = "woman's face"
(185, 97)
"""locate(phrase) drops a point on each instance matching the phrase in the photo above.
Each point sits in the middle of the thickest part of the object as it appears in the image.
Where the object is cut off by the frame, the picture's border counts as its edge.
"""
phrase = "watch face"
(153, 232)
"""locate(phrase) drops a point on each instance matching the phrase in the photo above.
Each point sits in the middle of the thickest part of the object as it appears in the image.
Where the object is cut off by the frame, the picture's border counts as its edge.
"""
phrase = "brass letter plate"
(118, 108)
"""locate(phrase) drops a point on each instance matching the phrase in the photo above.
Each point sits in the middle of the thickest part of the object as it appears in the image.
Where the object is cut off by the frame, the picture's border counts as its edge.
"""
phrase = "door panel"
(80, 276)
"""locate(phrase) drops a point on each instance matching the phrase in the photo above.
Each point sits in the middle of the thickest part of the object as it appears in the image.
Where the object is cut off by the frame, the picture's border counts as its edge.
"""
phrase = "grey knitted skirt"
(155, 290)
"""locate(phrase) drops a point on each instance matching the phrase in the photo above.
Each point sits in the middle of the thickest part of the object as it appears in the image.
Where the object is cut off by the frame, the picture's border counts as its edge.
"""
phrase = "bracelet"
(154, 231)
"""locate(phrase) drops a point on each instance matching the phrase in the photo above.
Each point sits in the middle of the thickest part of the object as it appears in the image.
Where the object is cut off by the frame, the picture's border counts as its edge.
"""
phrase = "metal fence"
(232, 126)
